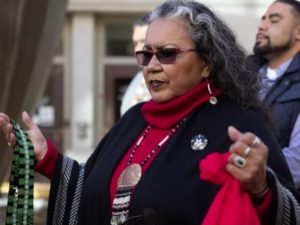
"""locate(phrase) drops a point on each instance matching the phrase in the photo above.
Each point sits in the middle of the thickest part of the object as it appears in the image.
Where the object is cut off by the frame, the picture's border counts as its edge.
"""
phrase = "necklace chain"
(158, 146)
(131, 176)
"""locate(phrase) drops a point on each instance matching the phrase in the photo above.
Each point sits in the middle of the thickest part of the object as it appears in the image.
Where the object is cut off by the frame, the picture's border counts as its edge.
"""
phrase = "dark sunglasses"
(164, 56)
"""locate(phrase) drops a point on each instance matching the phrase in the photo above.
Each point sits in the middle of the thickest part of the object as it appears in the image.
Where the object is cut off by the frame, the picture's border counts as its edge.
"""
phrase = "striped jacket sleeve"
(286, 208)
(65, 192)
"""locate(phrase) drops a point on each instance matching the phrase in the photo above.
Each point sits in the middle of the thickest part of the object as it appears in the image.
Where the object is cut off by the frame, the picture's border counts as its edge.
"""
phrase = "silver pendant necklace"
(130, 177)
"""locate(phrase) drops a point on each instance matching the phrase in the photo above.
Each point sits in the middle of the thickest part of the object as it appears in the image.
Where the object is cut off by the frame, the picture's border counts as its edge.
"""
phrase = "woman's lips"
(156, 84)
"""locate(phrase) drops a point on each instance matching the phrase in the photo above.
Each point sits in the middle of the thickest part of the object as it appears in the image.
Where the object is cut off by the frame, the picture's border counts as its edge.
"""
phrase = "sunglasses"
(164, 56)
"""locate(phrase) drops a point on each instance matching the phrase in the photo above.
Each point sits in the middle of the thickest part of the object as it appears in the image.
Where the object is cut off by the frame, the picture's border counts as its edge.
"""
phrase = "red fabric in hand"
(232, 205)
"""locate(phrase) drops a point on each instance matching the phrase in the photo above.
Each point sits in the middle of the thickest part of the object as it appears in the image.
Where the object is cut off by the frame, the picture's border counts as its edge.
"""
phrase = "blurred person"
(199, 152)
(277, 54)
(137, 90)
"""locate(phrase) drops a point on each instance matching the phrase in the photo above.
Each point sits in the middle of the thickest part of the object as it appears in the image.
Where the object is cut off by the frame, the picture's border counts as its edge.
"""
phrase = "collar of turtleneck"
(167, 115)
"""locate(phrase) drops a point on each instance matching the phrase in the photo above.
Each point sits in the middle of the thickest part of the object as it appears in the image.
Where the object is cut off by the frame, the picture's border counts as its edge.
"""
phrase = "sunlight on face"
(167, 81)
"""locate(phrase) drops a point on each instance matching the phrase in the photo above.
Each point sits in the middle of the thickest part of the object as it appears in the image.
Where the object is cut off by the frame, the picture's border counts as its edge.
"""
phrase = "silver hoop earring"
(212, 99)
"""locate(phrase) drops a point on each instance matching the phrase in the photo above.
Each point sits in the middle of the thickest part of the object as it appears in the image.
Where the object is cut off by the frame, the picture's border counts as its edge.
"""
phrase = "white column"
(82, 83)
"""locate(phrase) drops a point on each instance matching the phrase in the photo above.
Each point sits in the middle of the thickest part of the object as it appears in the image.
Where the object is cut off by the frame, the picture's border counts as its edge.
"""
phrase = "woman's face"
(167, 81)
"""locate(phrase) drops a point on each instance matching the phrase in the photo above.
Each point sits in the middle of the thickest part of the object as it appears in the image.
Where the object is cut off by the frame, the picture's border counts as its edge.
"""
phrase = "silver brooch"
(199, 142)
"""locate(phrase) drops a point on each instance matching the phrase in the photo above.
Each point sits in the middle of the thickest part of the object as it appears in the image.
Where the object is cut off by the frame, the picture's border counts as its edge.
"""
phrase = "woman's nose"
(153, 61)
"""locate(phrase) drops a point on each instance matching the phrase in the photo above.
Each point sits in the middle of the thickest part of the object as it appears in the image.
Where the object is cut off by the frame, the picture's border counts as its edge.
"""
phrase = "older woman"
(203, 120)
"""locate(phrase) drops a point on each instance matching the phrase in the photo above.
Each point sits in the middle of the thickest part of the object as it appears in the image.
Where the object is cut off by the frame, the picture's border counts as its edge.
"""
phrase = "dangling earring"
(212, 99)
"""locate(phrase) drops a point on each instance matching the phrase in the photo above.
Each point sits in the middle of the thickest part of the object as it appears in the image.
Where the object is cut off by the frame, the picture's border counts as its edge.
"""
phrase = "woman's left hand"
(248, 161)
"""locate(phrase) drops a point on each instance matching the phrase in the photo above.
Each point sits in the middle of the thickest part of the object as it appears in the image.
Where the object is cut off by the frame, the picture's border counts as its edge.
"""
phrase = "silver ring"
(256, 141)
(239, 161)
(247, 151)
(9, 144)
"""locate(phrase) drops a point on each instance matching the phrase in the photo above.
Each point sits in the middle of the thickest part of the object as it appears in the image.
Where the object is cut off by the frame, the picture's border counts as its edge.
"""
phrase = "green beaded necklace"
(20, 196)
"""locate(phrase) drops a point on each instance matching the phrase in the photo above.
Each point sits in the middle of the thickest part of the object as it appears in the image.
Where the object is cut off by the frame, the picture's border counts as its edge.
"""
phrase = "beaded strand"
(130, 177)
(158, 146)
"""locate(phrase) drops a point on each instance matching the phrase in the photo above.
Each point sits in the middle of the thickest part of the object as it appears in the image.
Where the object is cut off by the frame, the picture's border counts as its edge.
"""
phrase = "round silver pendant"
(130, 176)
(199, 142)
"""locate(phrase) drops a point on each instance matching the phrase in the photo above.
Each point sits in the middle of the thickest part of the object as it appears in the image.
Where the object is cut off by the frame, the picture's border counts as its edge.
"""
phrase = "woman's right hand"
(34, 133)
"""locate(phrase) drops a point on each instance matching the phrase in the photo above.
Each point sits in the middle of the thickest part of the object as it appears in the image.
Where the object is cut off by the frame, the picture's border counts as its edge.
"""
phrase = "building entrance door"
(117, 78)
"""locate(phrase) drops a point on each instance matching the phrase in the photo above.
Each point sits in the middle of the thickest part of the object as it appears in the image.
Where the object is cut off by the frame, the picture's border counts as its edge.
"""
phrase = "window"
(118, 39)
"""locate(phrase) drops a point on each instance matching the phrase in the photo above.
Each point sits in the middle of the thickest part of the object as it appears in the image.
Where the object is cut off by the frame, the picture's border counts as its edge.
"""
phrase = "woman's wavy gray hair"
(217, 46)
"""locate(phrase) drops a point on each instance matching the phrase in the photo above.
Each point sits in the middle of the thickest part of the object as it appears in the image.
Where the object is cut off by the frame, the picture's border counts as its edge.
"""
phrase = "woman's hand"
(248, 162)
(37, 138)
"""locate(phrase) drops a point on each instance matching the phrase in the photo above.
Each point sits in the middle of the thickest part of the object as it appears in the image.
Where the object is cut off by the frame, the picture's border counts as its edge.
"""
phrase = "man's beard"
(269, 49)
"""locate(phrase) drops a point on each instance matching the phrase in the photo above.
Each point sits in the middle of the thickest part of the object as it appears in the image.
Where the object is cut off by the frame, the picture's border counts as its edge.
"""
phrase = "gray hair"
(217, 46)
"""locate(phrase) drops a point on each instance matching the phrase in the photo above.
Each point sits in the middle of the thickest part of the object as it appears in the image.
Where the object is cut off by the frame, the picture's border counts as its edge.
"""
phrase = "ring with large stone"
(239, 161)
(255, 142)
(247, 151)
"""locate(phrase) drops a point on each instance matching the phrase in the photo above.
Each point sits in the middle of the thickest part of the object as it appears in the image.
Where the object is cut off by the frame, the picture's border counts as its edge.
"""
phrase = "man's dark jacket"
(284, 99)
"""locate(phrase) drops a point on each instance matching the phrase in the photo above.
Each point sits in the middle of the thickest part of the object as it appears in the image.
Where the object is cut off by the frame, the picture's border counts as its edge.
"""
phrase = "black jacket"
(284, 99)
(171, 185)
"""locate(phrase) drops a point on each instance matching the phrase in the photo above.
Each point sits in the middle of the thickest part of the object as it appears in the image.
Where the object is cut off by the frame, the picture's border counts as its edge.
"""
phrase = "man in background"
(137, 90)
(277, 52)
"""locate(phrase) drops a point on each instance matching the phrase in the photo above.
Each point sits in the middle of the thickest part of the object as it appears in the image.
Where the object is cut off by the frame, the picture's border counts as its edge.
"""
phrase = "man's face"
(276, 32)
(138, 37)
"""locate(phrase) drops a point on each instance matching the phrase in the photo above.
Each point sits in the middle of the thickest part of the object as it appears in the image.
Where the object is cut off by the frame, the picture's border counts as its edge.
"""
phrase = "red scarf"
(175, 110)
(232, 205)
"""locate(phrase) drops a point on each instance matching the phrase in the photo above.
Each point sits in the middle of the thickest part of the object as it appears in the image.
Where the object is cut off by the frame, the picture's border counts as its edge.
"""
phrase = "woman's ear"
(205, 72)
